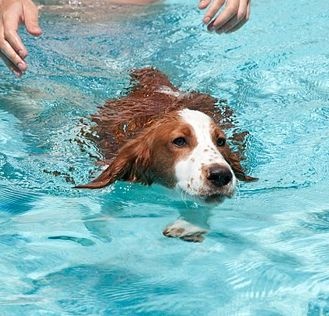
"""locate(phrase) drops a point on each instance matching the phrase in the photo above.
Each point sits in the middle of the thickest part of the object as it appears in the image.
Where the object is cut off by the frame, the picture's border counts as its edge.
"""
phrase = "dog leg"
(185, 231)
(192, 225)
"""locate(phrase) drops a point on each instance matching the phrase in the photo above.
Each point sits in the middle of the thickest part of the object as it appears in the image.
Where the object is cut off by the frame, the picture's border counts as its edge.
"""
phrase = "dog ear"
(130, 164)
(234, 160)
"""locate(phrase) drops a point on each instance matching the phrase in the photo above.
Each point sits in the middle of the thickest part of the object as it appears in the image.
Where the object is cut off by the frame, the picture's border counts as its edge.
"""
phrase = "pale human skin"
(225, 16)
(12, 14)
(221, 16)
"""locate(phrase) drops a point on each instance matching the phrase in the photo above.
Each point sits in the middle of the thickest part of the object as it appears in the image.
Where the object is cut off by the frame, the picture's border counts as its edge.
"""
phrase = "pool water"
(70, 252)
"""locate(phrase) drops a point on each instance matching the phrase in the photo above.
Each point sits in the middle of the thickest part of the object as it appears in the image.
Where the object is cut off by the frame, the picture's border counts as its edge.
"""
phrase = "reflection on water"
(102, 252)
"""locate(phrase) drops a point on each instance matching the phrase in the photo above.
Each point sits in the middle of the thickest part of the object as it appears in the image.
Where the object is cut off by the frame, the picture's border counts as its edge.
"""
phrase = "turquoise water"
(68, 252)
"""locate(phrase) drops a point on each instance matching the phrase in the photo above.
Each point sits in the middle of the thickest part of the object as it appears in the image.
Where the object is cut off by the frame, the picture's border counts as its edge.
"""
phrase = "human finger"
(31, 18)
(228, 13)
(243, 8)
(13, 57)
(203, 4)
(238, 19)
(233, 25)
(242, 22)
(212, 10)
(8, 51)
(11, 20)
(10, 65)
(228, 25)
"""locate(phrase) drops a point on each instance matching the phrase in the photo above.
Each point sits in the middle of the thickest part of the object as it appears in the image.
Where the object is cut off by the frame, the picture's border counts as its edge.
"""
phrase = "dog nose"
(219, 176)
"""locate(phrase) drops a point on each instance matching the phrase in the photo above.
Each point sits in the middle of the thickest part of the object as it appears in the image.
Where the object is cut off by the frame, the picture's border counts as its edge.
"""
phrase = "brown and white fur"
(159, 134)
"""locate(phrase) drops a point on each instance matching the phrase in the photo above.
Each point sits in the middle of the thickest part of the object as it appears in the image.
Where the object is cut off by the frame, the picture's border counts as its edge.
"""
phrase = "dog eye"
(179, 141)
(221, 142)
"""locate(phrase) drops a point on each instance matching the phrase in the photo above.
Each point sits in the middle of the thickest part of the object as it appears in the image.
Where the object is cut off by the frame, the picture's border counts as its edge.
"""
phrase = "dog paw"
(185, 231)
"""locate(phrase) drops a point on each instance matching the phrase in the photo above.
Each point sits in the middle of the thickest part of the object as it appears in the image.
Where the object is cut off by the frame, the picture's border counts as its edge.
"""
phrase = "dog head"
(185, 149)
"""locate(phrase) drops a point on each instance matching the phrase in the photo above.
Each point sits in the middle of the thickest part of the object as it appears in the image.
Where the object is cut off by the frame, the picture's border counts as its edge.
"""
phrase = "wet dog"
(159, 134)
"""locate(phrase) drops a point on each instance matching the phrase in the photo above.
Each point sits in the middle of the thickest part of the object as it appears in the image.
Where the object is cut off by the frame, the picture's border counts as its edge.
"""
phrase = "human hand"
(235, 14)
(12, 14)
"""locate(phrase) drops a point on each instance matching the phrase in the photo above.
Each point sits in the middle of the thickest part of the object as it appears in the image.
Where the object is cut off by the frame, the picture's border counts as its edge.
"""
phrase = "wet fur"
(124, 127)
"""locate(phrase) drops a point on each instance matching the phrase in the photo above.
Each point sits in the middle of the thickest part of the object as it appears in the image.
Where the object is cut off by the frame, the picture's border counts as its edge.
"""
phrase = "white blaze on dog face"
(204, 172)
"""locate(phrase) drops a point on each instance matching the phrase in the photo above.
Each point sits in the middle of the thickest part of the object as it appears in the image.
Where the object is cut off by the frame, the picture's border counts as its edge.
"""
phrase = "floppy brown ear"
(234, 161)
(130, 164)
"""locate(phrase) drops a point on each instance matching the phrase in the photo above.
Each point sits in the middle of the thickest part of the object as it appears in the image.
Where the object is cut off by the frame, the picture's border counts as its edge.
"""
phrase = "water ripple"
(103, 252)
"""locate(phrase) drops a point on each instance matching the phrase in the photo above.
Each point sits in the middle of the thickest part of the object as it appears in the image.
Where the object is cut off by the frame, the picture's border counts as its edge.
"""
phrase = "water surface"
(66, 252)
